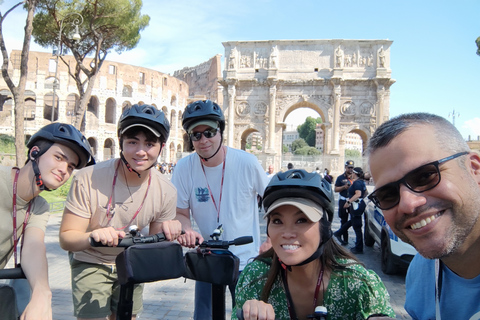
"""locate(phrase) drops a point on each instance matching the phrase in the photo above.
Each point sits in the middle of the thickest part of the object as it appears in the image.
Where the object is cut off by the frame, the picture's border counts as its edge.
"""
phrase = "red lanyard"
(14, 205)
(221, 186)
(111, 213)
(291, 309)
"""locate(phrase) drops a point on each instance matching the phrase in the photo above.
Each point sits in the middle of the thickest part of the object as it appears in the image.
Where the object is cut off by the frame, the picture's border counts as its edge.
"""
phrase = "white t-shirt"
(244, 178)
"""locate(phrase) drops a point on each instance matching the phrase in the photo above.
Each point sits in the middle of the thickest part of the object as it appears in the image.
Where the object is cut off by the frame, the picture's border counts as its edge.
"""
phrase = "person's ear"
(474, 165)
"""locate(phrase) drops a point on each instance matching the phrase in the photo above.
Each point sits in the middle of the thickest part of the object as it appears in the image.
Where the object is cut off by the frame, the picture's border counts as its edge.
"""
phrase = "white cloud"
(472, 127)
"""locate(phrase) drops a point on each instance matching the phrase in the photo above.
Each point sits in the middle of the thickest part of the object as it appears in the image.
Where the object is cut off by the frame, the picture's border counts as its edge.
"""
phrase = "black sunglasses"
(419, 180)
(210, 133)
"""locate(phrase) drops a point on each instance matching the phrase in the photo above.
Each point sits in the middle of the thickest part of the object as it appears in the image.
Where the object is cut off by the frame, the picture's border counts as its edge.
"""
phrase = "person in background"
(54, 152)
(427, 184)
(327, 176)
(289, 166)
(305, 268)
(343, 182)
(105, 200)
(219, 186)
(356, 207)
(270, 172)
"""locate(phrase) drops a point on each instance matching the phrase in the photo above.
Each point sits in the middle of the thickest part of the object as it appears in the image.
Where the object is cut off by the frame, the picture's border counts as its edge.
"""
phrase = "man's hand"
(172, 229)
(189, 239)
(107, 236)
(40, 306)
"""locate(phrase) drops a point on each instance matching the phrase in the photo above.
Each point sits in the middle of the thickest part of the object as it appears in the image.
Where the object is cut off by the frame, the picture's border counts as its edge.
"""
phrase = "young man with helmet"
(108, 198)
(219, 185)
(53, 153)
(306, 268)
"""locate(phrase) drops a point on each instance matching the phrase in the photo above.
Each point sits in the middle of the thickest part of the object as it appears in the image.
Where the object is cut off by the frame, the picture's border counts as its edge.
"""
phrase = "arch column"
(272, 117)
(231, 113)
(380, 107)
(336, 119)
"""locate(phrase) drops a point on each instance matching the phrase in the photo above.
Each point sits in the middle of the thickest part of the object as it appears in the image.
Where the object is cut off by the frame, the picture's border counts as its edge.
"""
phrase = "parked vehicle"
(396, 254)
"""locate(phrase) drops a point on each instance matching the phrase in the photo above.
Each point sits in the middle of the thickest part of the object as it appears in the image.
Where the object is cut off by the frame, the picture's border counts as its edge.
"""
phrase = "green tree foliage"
(285, 148)
(307, 151)
(107, 25)
(307, 130)
(478, 45)
(297, 144)
(350, 153)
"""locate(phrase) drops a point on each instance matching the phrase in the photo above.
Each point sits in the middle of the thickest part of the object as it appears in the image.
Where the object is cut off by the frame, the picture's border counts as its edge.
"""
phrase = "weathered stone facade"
(117, 86)
(346, 81)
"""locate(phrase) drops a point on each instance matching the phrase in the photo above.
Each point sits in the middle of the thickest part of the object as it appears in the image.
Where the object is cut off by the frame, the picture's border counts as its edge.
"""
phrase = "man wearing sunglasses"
(428, 185)
(343, 182)
(219, 186)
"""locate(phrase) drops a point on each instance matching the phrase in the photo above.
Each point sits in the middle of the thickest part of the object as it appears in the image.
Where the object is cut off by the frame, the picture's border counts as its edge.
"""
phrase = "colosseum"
(117, 87)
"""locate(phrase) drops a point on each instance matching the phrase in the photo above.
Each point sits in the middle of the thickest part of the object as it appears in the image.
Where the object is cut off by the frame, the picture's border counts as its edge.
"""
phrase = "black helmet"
(147, 116)
(67, 135)
(302, 184)
(202, 110)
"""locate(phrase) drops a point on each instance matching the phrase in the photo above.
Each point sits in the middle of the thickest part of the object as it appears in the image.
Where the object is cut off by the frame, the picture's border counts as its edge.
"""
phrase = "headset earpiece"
(35, 153)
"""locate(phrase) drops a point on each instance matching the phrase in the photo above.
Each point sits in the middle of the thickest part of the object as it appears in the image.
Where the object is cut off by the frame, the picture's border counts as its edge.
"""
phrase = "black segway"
(212, 262)
(8, 301)
(145, 259)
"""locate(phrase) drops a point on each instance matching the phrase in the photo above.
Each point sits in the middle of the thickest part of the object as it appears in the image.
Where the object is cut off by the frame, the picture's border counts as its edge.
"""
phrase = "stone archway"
(346, 81)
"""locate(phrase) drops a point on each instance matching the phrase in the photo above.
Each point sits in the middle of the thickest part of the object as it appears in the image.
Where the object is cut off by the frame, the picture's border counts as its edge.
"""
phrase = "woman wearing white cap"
(305, 268)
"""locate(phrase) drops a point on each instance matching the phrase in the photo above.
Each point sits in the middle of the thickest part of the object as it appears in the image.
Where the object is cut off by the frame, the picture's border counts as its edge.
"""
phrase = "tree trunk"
(18, 91)
(81, 113)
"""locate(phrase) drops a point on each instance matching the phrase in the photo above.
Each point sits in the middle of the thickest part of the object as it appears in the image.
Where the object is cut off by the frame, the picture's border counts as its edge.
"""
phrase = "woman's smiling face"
(294, 237)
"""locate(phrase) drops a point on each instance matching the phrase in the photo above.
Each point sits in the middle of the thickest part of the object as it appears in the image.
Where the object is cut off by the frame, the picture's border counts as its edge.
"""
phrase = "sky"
(433, 55)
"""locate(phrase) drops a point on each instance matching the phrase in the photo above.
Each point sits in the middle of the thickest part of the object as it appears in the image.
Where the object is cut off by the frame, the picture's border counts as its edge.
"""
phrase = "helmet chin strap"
(129, 168)
(314, 256)
(38, 176)
(206, 159)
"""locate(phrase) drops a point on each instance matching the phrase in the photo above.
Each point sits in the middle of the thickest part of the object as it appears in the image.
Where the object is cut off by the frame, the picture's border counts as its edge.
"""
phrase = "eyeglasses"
(196, 136)
(419, 180)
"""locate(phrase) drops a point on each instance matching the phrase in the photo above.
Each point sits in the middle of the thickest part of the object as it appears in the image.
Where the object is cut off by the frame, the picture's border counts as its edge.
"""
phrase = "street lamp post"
(57, 53)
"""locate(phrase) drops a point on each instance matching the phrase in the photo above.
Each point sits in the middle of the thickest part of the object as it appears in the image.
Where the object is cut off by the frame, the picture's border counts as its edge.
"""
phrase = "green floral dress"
(352, 293)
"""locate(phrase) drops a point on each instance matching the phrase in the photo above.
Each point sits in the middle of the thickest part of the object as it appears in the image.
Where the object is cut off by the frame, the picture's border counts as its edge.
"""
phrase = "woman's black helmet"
(67, 135)
(203, 110)
(147, 116)
(302, 184)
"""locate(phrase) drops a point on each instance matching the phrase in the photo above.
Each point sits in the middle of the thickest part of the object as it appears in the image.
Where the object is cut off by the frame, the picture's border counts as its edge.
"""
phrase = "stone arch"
(171, 148)
(245, 135)
(110, 110)
(93, 105)
(73, 101)
(30, 105)
(309, 105)
(94, 145)
(108, 149)
(127, 91)
(172, 117)
(50, 112)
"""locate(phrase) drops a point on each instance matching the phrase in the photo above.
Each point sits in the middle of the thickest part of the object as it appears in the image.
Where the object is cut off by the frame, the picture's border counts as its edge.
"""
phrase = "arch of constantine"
(346, 81)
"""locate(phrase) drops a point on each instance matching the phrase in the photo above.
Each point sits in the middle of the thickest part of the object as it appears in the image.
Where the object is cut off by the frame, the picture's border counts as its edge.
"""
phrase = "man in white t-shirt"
(219, 185)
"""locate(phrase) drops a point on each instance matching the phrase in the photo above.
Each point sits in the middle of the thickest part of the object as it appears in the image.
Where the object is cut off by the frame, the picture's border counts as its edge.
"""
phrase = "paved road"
(173, 299)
